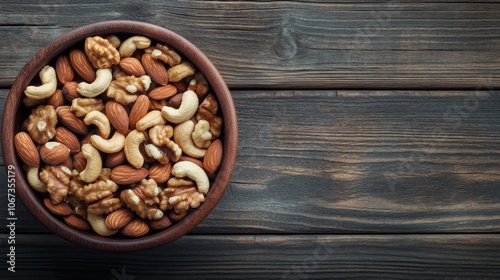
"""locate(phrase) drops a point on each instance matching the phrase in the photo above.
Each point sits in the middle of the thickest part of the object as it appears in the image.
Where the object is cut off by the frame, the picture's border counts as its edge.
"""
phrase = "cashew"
(182, 136)
(98, 86)
(110, 146)
(149, 120)
(181, 71)
(94, 163)
(98, 224)
(187, 109)
(201, 134)
(194, 172)
(101, 121)
(34, 179)
(48, 87)
(129, 46)
(114, 40)
(131, 148)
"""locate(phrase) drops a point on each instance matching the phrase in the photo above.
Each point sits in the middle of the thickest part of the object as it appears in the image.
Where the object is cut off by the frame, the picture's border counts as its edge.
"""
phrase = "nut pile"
(122, 136)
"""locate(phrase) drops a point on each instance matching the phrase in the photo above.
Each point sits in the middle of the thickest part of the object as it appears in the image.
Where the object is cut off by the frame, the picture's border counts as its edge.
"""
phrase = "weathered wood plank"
(358, 161)
(294, 44)
(267, 257)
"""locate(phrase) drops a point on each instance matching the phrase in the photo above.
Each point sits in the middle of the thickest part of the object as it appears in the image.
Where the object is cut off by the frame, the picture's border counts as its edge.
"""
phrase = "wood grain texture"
(268, 257)
(294, 44)
(342, 161)
(329, 183)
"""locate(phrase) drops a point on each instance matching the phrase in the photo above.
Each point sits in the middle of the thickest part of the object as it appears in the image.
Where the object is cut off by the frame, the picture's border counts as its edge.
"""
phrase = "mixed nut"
(122, 136)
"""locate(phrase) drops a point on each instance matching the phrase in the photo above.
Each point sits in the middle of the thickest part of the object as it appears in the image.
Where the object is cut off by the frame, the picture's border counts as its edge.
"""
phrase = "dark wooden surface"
(369, 141)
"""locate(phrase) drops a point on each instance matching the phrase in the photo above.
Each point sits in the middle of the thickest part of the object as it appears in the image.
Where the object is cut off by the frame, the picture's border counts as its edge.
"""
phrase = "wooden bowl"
(15, 112)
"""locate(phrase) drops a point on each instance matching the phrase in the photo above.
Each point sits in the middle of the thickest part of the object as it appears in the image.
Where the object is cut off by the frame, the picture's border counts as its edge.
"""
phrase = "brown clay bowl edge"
(11, 124)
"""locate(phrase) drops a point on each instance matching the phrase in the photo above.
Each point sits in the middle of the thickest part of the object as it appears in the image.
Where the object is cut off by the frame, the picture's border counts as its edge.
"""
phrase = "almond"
(64, 71)
(117, 116)
(66, 137)
(54, 153)
(213, 157)
(132, 66)
(155, 69)
(137, 227)
(162, 92)
(69, 91)
(119, 218)
(61, 209)
(72, 122)
(139, 110)
(68, 163)
(82, 65)
(26, 149)
(157, 104)
(160, 172)
(115, 159)
(127, 174)
(180, 85)
(160, 224)
(77, 222)
(56, 99)
(79, 161)
(175, 101)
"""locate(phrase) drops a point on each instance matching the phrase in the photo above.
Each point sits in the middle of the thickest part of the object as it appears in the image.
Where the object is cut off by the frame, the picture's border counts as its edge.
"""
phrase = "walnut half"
(208, 111)
(42, 124)
(180, 195)
(99, 195)
(82, 106)
(125, 89)
(101, 52)
(57, 179)
(143, 199)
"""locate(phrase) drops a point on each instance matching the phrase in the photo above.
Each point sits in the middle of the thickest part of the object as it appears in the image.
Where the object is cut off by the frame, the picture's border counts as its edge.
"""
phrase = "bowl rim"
(30, 197)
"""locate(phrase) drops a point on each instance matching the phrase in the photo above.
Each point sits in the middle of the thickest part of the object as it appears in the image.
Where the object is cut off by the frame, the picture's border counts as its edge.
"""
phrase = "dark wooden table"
(369, 141)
